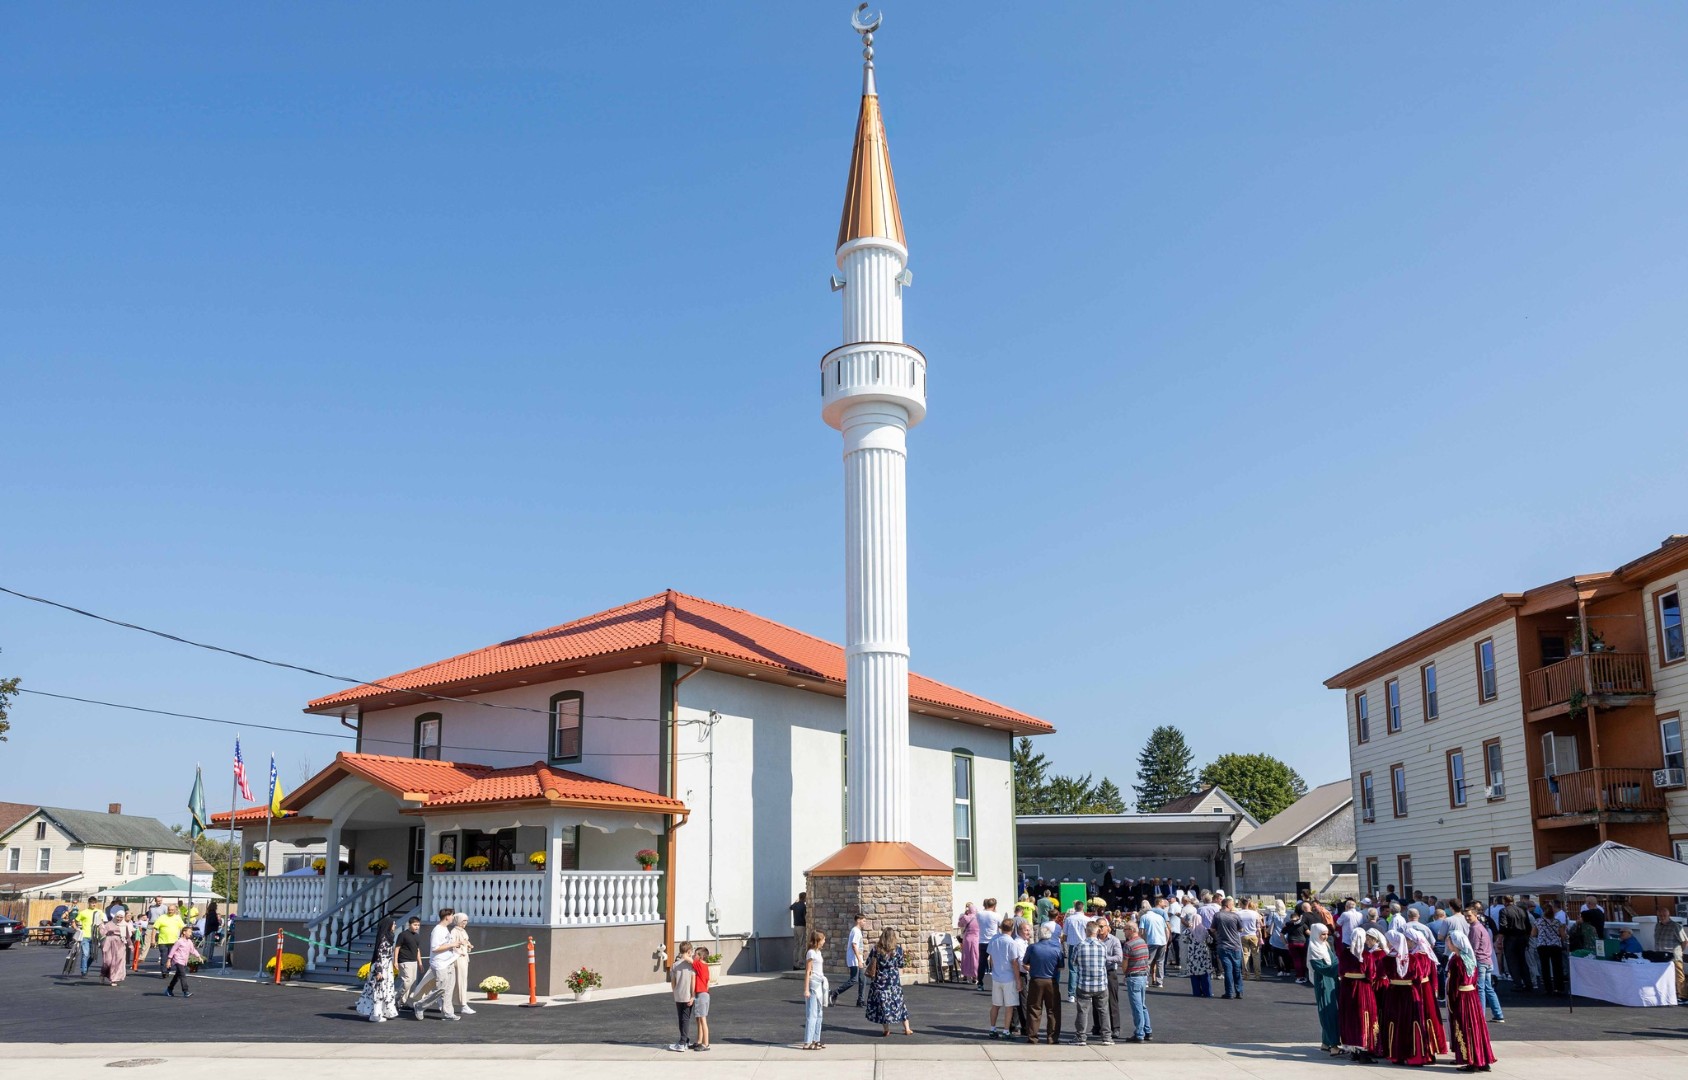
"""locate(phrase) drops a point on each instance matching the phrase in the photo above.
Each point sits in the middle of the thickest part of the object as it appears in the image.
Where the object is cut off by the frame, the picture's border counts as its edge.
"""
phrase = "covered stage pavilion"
(1081, 847)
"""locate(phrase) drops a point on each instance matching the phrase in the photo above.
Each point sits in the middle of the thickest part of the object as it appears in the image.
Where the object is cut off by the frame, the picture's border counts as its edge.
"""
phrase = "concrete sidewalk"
(1639, 1059)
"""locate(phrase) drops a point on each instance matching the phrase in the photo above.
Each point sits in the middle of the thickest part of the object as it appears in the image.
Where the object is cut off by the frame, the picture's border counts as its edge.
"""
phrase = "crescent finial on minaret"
(870, 196)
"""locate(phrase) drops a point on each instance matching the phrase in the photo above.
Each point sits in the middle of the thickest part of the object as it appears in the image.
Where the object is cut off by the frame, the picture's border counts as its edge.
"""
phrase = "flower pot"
(492, 995)
(251, 873)
(582, 995)
(647, 867)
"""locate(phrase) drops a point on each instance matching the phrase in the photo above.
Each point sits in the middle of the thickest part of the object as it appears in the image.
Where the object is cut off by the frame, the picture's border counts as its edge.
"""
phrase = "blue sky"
(1260, 337)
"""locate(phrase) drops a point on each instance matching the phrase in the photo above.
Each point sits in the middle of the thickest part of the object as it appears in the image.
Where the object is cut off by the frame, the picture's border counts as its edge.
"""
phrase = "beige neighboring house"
(1214, 800)
(54, 851)
(1307, 847)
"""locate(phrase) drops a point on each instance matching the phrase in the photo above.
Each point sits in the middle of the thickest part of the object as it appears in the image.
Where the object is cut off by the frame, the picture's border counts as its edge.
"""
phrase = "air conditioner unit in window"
(1494, 791)
(1669, 778)
(1369, 814)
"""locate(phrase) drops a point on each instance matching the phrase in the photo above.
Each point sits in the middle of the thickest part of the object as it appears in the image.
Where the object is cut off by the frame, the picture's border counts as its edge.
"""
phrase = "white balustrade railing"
(292, 896)
(280, 897)
(360, 897)
(496, 898)
(600, 898)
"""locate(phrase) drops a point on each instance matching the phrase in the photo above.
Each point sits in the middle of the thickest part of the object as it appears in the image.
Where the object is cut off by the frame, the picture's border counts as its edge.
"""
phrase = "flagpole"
(229, 878)
(263, 917)
(193, 838)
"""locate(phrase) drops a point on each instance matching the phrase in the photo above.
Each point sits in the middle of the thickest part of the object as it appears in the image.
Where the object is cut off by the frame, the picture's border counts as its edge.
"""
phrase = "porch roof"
(256, 814)
(458, 785)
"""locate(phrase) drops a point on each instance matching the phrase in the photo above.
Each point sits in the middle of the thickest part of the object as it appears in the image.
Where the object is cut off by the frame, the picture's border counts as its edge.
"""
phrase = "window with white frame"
(1368, 799)
(963, 769)
(14, 859)
(1392, 698)
(1494, 780)
(1671, 645)
(1404, 869)
(1398, 789)
(568, 715)
(118, 867)
(1462, 876)
(40, 830)
(1362, 718)
(1503, 863)
(44, 860)
(1487, 687)
(1456, 778)
(1670, 734)
(1427, 681)
(150, 861)
(134, 862)
(1374, 882)
(427, 737)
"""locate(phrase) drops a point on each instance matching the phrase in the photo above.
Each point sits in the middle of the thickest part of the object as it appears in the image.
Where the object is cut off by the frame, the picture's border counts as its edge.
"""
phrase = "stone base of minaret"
(894, 885)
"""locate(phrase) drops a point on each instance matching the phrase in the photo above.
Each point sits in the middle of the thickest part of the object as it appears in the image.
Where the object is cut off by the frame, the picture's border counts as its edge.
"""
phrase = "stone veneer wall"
(914, 905)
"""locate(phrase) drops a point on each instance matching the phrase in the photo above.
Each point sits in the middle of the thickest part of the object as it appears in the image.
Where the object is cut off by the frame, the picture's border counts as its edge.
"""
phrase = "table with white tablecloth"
(1623, 982)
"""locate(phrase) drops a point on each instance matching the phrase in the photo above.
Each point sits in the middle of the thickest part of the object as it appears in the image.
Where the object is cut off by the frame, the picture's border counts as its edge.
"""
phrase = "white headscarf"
(1399, 944)
(1317, 947)
(1460, 942)
(1422, 944)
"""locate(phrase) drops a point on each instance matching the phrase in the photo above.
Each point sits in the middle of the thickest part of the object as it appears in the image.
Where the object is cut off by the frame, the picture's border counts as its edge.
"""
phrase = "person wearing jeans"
(1137, 966)
(855, 957)
(1483, 947)
(1228, 933)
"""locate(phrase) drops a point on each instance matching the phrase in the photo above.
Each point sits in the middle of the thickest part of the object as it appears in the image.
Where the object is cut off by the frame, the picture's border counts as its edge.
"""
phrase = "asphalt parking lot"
(42, 1006)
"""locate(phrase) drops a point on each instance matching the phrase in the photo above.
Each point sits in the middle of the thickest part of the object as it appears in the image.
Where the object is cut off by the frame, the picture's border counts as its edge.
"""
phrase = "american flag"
(240, 772)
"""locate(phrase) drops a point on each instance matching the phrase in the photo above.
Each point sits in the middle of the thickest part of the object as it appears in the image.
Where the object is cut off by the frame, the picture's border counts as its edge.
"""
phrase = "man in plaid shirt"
(1090, 968)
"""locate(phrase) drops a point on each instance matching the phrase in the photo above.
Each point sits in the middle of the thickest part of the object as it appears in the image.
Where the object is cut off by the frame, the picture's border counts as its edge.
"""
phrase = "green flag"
(196, 803)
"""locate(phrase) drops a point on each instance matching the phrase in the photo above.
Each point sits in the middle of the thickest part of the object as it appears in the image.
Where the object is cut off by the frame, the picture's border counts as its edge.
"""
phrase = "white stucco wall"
(778, 800)
(624, 751)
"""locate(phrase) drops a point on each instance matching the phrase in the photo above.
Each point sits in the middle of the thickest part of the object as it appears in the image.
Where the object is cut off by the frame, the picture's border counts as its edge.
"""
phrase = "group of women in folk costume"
(1378, 997)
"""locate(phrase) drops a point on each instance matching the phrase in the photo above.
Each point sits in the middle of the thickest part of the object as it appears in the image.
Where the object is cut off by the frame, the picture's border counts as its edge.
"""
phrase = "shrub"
(442, 861)
(319, 865)
(646, 857)
(377, 866)
(537, 859)
(476, 862)
(292, 965)
(252, 866)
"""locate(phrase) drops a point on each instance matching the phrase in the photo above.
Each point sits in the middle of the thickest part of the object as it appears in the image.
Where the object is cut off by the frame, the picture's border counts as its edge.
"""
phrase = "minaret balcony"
(864, 371)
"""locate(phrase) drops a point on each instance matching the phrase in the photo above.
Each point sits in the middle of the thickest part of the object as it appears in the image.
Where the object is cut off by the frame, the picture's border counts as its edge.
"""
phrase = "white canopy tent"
(1607, 869)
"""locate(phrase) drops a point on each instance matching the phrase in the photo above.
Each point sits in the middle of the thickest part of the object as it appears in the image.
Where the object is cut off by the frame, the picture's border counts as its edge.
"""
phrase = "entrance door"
(498, 847)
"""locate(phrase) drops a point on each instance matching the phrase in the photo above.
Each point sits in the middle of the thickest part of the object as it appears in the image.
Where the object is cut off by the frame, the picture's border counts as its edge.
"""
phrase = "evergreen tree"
(1106, 799)
(1164, 769)
(1069, 795)
(1262, 784)
(1031, 772)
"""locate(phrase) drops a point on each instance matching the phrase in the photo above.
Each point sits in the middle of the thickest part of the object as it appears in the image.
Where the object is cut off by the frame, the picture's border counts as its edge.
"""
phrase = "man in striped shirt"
(1090, 977)
(1137, 956)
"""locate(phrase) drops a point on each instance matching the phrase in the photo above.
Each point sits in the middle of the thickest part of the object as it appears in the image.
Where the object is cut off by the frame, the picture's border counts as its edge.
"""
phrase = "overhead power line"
(245, 725)
(291, 667)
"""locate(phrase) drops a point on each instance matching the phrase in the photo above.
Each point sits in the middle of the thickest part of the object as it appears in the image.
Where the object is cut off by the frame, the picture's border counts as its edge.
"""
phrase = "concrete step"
(338, 978)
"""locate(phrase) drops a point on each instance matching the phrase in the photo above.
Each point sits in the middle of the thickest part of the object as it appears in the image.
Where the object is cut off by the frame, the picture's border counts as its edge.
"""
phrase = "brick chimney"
(114, 808)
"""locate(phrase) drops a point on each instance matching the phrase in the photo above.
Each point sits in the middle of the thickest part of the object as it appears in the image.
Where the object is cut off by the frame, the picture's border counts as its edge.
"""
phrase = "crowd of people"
(116, 938)
(404, 964)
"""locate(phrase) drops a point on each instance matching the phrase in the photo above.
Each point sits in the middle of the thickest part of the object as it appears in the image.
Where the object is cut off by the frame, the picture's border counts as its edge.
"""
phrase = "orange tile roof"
(254, 813)
(674, 620)
(463, 784)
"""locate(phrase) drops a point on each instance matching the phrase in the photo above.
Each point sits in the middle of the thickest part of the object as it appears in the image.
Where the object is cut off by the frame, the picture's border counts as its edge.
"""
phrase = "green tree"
(1031, 779)
(1069, 795)
(1164, 769)
(216, 852)
(1106, 799)
(8, 690)
(1263, 785)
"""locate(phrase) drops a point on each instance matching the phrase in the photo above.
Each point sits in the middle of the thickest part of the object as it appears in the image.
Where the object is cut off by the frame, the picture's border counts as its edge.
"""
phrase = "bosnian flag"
(240, 772)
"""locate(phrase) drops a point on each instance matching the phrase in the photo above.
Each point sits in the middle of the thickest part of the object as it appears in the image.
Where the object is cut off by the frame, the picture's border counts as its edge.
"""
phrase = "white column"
(553, 868)
(331, 873)
(876, 620)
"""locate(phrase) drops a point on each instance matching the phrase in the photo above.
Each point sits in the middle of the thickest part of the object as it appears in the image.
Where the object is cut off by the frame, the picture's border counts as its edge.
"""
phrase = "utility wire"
(278, 663)
(334, 734)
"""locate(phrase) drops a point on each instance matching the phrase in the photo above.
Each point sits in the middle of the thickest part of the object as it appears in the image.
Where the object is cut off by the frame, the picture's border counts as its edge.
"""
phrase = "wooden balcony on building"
(1609, 680)
(1592, 796)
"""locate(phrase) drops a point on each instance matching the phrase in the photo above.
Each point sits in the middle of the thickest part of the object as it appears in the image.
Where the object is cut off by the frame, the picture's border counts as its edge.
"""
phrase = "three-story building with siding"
(1522, 730)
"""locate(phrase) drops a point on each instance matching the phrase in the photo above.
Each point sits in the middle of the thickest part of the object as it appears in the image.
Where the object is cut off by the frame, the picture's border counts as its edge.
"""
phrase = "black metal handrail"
(352, 929)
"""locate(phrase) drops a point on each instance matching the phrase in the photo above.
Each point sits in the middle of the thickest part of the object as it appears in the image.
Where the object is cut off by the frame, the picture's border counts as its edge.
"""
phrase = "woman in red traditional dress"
(1469, 1025)
(1425, 973)
(1356, 998)
(1403, 1035)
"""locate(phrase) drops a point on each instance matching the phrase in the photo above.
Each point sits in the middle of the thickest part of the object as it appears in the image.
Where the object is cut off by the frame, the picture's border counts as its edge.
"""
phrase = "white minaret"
(873, 389)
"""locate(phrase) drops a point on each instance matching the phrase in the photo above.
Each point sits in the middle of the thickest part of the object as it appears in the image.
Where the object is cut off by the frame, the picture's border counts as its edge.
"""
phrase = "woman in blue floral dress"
(885, 985)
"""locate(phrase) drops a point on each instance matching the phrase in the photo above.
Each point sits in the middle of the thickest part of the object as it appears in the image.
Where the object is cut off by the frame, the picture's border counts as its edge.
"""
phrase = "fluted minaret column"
(873, 389)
